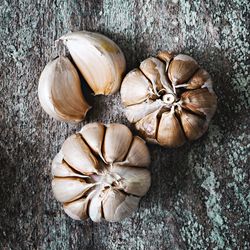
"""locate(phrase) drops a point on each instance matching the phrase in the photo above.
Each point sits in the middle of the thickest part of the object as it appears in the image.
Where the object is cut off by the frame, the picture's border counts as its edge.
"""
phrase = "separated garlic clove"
(60, 92)
(76, 187)
(200, 101)
(181, 69)
(93, 134)
(116, 142)
(98, 58)
(135, 88)
(133, 180)
(193, 125)
(78, 209)
(138, 154)
(78, 155)
(170, 133)
(95, 207)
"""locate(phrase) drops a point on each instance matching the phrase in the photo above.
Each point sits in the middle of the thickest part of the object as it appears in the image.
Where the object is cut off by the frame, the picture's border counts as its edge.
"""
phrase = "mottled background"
(200, 194)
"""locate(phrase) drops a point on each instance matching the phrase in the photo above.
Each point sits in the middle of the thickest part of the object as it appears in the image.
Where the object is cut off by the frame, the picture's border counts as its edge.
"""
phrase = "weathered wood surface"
(199, 197)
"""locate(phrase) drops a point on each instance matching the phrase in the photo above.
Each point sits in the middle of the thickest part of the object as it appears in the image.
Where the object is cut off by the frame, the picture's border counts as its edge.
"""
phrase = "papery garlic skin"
(169, 98)
(60, 92)
(99, 59)
(101, 172)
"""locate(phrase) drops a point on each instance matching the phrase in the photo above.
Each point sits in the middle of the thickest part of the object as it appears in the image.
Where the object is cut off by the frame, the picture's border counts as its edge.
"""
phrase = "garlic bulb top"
(98, 58)
(101, 173)
(169, 98)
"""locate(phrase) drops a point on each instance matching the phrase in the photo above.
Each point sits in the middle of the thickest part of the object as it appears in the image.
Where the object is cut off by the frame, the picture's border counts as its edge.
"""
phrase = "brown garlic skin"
(101, 173)
(169, 98)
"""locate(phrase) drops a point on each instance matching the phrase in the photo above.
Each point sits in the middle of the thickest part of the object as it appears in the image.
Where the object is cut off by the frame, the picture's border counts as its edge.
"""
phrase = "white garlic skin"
(101, 172)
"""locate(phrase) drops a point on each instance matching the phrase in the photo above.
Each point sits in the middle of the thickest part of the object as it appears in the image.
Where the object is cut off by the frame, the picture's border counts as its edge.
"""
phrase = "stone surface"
(200, 194)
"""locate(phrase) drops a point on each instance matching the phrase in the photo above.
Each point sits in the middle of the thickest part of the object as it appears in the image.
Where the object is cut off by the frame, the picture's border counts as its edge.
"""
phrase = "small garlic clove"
(95, 207)
(133, 180)
(154, 70)
(170, 133)
(77, 209)
(93, 134)
(200, 101)
(193, 125)
(117, 141)
(148, 125)
(69, 189)
(135, 88)
(181, 69)
(136, 112)
(165, 56)
(78, 155)
(60, 92)
(138, 155)
(98, 58)
(117, 206)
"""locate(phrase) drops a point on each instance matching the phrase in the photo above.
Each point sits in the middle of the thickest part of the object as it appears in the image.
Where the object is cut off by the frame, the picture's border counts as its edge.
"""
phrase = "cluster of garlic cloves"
(101, 173)
(169, 98)
(100, 61)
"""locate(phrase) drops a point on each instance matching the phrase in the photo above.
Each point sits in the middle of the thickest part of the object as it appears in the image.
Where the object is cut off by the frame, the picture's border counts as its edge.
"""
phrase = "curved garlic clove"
(170, 133)
(165, 56)
(78, 155)
(60, 92)
(135, 88)
(181, 69)
(200, 101)
(69, 189)
(201, 78)
(93, 134)
(78, 209)
(193, 125)
(138, 154)
(95, 207)
(117, 141)
(136, 112)
(117, 206)
(154, 70)
(98, 58)
(148, 125)
(133, 180)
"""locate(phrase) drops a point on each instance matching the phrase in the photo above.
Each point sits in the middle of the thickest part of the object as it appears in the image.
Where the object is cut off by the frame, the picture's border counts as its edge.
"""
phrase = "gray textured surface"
(199, 197)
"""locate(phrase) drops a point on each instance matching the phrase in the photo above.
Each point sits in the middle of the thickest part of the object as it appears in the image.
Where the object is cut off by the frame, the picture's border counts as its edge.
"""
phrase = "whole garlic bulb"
(169, 98)
(101, 172)
(100, 61)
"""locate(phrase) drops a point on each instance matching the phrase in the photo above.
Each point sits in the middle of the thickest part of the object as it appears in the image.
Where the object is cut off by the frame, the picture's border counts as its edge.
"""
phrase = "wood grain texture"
(199, 197)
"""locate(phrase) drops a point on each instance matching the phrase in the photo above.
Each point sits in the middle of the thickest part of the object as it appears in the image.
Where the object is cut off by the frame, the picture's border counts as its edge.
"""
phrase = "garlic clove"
(78, 155)
(136, 112)
(60, 92)
(134, 181)
(181, 69)
(138, 155)
(135, 88)
(93, 134)
(170, 133)
(98, 58)
(117, 206)
(193, 125)
(95, 207)
(117, 141)
(200, 101)
(165, 56)
(77, 209)
(154, 70)
(148, 125)
(69, 189)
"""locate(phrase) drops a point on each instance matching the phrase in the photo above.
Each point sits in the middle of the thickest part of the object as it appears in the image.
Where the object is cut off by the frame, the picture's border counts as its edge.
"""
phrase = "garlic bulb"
(98, 58)
(169, 98)
(100, 172)
(60, 93)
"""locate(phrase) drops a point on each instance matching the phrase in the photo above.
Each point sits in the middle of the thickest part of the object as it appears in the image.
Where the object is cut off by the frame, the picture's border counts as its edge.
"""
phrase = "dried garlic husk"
(100, 61)
(101, 172)
(169, 98)
(60, 93)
